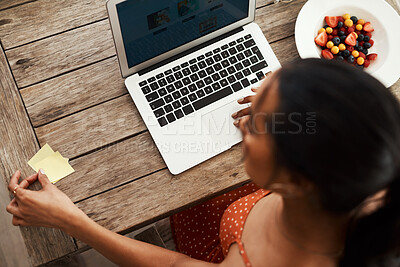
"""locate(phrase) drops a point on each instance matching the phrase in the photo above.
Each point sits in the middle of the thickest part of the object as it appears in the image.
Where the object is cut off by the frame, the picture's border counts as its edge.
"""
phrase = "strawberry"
(371, 42)
(321, 39)
(350, 48)
(372, 57)
(361, 54)
(351, 39)
(332, 21)
(366, 63)
(335, 32)
(351, 29)
(327, 54)
(368, 27)
(368, 34)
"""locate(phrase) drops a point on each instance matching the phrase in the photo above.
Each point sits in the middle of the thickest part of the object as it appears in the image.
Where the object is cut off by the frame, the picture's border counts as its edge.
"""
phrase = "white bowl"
(383, 18)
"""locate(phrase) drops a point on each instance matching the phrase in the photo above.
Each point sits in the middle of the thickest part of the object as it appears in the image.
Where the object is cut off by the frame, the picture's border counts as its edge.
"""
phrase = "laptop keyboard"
(204, 80)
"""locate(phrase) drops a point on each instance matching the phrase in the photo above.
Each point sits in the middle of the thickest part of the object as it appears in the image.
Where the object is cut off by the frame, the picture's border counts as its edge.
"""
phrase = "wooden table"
(60, 84)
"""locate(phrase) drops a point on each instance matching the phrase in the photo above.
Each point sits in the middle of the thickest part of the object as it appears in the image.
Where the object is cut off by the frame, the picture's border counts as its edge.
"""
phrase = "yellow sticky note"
(43, 153)
(54, 165)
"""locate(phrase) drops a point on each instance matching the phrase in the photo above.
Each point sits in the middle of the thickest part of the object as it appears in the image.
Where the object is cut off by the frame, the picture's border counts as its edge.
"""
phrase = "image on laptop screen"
(152, 27)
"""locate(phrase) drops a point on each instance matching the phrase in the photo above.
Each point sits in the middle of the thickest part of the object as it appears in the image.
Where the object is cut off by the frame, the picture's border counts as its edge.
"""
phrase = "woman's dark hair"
(342, 132)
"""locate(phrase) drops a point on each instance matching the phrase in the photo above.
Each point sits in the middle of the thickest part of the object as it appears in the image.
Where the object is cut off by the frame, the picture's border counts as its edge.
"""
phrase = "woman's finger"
(22, 194)
(240, 123)
(44, 181)
(17, 221)
(14, 180)
(247, 99)
(13, 209)
(28, 181)
(14, 201)
(241, 113)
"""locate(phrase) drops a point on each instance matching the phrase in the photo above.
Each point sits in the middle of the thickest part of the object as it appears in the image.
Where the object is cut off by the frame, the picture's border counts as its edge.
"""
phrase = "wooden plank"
(92, 128)
(285, 50)
(11, 3)
(74, 91)
(18, 146)
(396, 89)
(25, 26)
(59, 54)
(277, 21)
(261, 3)
(21, 25)
(161, 194)
(11, 237)
(111, 167)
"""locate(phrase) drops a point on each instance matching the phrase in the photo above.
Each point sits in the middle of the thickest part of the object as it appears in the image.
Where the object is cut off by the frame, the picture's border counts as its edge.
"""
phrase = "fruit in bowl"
(347, 38)
(383, 19)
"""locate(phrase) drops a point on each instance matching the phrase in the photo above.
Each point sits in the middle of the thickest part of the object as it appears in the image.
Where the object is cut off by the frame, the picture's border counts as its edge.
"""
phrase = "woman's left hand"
(47, 207)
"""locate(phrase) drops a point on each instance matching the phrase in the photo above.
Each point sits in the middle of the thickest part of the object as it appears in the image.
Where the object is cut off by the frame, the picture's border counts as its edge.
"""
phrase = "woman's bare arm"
(50, 207)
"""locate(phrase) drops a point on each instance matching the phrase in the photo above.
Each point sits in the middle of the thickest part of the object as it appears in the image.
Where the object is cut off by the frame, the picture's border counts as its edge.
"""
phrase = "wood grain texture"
(18, 145)
(59, 54)
(92, 128)
(12, 3)
(112, 166)
(11, 236)
(281, 49)
(21, 25)
(277, 21)
(161, 194)
(261, 3)
(25, 22)
(67, 51)
(74, 91)
(396, 89)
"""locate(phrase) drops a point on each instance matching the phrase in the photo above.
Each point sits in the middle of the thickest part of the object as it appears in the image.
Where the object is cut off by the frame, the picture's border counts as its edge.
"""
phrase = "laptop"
(186, 63)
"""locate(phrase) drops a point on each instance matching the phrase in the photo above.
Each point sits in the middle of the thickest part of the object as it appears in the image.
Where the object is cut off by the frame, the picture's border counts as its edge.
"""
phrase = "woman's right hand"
(246, 111)
(48, 207)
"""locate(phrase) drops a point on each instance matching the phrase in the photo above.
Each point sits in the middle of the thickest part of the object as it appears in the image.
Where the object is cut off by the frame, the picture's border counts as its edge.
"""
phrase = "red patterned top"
(206, 231)
(233, 221)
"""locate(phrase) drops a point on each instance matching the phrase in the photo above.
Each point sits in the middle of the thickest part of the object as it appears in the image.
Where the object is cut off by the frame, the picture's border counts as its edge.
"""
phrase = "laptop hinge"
(191, 50)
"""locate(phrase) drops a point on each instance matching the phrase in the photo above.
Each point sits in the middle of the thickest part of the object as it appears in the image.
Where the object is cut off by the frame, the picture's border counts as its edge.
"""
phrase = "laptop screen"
(152, 27)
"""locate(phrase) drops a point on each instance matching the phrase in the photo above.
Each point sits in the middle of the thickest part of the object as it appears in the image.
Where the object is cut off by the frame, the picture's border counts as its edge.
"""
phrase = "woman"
(324, 138)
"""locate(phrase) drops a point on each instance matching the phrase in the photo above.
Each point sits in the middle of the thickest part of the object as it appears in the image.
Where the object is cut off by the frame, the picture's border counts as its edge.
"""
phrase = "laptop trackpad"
(218, 124)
